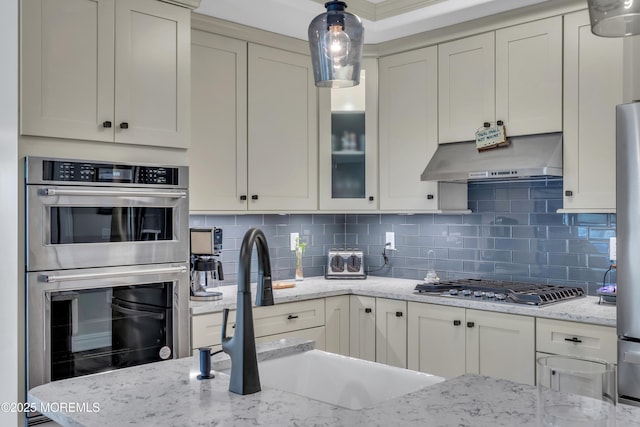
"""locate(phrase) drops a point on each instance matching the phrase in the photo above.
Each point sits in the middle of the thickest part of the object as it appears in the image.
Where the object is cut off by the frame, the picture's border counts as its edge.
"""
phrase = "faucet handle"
(225, 317)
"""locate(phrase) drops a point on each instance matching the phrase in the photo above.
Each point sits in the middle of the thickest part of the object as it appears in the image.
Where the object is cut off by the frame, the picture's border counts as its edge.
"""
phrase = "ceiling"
(383, 20)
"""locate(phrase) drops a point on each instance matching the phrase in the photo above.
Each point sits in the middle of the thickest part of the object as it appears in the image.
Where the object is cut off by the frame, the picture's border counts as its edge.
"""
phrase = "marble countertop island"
(585, 310)
(168, 394)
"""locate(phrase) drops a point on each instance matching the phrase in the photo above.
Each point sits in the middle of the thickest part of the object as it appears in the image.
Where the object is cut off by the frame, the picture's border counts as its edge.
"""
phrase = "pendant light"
(614, 18)
(335, 39)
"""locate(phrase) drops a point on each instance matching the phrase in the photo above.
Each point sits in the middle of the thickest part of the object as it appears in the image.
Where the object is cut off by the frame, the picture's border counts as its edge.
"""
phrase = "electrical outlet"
(292, 240)
(390, 237)
(612, 249)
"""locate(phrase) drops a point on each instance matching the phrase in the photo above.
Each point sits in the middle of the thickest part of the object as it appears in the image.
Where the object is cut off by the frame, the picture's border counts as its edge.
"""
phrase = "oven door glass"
(80, 227)
(95, 330)
(73, 225)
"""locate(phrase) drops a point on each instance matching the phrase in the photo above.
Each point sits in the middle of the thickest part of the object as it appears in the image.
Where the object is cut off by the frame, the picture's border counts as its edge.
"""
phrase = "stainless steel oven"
(107, 262)
(86, 214)
(97, 319)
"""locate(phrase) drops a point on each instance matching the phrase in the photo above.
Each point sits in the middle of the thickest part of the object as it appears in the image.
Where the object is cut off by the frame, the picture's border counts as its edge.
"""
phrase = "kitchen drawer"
(314, 334)
(281, 318)
(576, 339)
(206, 329)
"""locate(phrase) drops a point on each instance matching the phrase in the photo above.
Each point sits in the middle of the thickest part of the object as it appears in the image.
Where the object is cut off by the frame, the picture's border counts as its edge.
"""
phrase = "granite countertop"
(585, 310)
(168, 394)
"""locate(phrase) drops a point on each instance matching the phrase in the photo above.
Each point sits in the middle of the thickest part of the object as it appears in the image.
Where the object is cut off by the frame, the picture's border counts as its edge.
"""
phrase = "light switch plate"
(390, 237)
(292, 240)
(612, 249)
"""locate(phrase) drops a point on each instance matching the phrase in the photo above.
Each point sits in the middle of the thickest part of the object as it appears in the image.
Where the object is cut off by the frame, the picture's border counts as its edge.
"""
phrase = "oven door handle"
(124, 193)
(63, 278)
(135, 312)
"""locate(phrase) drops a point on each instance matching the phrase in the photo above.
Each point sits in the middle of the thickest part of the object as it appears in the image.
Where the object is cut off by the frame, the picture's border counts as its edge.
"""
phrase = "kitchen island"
(169, 394)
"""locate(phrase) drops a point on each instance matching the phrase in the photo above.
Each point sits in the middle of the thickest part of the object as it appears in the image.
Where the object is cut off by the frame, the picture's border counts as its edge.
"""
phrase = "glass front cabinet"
(349, 144)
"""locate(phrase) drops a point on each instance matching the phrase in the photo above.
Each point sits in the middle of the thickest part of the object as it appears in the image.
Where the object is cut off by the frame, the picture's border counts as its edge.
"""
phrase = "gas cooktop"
(501, 291)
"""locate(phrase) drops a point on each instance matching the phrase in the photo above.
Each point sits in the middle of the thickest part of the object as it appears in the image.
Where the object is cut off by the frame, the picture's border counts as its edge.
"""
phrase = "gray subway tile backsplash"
(514, 233)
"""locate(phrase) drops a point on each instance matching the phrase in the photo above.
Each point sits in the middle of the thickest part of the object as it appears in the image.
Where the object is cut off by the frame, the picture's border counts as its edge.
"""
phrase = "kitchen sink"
(340, 380)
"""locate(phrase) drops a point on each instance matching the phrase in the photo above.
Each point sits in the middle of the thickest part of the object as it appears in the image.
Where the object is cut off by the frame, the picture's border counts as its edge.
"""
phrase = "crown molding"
(385, 9)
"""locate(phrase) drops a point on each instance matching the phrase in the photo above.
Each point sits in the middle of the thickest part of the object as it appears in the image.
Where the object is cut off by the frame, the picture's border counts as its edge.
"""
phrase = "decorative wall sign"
(491, 135)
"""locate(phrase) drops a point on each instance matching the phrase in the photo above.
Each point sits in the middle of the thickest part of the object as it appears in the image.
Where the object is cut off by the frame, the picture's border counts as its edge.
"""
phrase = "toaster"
(345, 264)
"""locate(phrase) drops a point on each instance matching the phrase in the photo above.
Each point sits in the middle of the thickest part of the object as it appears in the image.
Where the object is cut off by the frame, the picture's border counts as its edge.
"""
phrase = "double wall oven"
(107, 266)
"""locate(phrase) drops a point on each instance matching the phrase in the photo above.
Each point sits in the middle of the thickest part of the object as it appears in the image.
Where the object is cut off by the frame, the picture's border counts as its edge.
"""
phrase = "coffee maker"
(206, 267)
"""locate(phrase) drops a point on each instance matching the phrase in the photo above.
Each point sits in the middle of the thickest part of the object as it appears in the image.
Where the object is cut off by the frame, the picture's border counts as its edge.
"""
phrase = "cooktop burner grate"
(502, 291)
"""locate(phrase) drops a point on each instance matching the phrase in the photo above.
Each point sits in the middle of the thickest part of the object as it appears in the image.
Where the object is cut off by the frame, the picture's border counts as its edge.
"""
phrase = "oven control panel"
(69, 171)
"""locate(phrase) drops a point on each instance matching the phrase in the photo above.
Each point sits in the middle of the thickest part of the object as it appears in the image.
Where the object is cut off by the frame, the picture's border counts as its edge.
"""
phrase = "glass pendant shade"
(335, 39)
(614, 18)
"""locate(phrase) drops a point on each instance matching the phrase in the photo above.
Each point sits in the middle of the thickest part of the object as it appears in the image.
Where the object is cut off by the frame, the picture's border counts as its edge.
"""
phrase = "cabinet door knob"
(456, 323)
(429, 196)
(470, 324)
(292, 316)
(243, 197)
(124, 125)
(106, 124)
(398, 314)
(367, 310)
(499, 122)
(371, 198)
(574, 339)
(568, 193)
(254, 197)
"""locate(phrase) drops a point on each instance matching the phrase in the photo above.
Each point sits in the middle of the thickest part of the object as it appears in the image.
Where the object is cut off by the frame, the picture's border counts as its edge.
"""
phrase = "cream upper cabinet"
(282, 131)
(348, 147)
(466, 86)
(391, 332)
(593, 86)
(108, 70)
(450, 341)
(218, 151)
(409, 135)
(513, 74)
(529, 77)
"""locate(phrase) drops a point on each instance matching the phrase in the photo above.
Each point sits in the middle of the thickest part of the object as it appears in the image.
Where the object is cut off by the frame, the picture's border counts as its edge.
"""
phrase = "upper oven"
(84, 214)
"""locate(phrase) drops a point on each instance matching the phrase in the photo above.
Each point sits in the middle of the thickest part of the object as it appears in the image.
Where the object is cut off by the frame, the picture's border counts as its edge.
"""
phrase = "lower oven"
(91, 320)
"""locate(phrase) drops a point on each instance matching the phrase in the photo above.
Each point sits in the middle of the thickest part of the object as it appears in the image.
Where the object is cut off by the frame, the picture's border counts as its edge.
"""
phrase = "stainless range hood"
(525, 157)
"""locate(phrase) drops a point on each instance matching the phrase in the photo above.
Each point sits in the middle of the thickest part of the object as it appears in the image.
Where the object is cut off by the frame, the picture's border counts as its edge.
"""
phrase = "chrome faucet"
(241, 348)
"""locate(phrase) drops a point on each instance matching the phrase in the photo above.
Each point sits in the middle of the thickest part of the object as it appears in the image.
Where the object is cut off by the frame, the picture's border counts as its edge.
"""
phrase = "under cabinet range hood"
(530, 156)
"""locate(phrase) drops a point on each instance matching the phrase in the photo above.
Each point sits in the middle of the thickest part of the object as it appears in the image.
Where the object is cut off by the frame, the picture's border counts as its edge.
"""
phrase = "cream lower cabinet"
(391, 332)
(450, 341)
(337, 324)
(576, 339)
(362, 327)
(305, 319)
(408, 135)
(107, 70)
(593, 86)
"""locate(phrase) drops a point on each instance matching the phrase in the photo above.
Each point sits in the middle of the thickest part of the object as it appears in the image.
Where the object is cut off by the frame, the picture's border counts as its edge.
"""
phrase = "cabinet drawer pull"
(124, 125)
(568, 193)
(430, 196)
(574, 339)
(470, 324)
(367, 310)
(292, 316)
(243, 197)
(106, 124)
(371, 198)
(456, 323)
(254, 197)
(398, 314)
